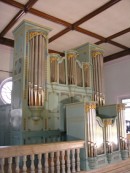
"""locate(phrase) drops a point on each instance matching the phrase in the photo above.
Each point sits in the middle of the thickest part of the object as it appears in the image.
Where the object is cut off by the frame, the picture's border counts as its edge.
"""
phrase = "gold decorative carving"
(85, 66)
(88, 107)
(96, 53)
(34, 34)
(71, 55)
(53, 59)
(107, 122)
(120, 107)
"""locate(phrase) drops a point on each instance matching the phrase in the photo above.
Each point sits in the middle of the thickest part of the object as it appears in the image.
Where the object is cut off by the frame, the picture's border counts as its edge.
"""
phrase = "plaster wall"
(117, 79)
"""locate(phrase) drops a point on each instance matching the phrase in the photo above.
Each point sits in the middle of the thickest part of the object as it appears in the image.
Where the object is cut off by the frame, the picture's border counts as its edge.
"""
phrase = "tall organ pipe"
(122, 128)
(91, 130)
(97, 61)
(36, 70)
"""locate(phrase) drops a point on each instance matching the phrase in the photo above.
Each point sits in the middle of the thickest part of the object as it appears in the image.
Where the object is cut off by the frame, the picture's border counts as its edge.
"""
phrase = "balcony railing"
(41, 158)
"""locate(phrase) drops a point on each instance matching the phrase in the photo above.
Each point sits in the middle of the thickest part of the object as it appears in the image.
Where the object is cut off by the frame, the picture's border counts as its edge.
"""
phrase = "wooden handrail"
(13, 151)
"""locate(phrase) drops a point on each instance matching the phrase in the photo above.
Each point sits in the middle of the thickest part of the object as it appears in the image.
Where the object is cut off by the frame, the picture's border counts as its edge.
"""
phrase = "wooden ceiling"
(103, 22)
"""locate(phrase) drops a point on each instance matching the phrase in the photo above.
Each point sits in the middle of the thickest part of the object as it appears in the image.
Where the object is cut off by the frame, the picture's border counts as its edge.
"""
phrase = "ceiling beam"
(92, 34)
(117, 55)
(119, 33)
(96, 12)
(59, 34)
(12, 22)
(117, 44)
(6, 41)
(113, 36)
(14, 3)
(54, 51)
(28, 8)
(49, 17)
(18, 16)
(29, 5)
(38, 13)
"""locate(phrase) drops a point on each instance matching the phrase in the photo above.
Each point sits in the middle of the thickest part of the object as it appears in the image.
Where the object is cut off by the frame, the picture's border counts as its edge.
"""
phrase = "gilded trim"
(96, 53)
(107, 122)
(120, 107)
(88, 107)
(53, 59)
(71, 55)
(34, 34)
(85, 66)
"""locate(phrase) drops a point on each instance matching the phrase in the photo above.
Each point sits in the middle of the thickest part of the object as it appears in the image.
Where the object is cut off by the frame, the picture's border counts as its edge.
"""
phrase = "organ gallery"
(58, 98)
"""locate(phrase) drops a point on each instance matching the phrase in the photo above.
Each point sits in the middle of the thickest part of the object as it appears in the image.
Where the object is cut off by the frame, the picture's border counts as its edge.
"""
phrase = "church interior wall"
(117, 80)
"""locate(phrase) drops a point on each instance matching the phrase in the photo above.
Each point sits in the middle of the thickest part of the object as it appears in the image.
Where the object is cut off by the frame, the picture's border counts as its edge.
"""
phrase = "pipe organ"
(54, 95)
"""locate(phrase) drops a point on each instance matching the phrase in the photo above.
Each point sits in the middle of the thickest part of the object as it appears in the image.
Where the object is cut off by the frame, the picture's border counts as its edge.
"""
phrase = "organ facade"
(58, 98)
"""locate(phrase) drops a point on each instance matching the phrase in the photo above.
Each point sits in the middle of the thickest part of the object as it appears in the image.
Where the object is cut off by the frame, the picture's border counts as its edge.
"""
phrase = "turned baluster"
(68, 161)
(63, 161)
(78, 159)
(57, 162)
(39, 163)
(73, 160)
(17, 164)
(46, 163)
(10, 165)
(52, 162)
(2, 162)
(32, 164)
(24, 164)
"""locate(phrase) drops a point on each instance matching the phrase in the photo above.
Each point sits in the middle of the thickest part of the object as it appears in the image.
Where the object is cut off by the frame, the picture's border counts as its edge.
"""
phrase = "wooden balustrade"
(53, 157)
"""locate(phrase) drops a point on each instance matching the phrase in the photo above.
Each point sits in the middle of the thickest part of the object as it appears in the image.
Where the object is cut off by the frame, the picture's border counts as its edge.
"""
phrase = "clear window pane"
(5, 91)
(127, 114)
(126, 102)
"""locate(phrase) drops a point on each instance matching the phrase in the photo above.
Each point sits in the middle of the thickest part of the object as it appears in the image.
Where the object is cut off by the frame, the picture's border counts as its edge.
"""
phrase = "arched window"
(5, 90)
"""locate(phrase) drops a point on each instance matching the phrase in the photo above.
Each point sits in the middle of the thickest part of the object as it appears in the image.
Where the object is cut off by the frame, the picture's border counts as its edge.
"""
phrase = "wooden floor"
(120, 167)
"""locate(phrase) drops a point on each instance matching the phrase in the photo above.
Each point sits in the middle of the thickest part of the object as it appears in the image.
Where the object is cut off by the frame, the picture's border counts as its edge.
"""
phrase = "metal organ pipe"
(97, 61)
(122, 128)
(91, 130)
(71, 66)
(108, 134)
(36, 69)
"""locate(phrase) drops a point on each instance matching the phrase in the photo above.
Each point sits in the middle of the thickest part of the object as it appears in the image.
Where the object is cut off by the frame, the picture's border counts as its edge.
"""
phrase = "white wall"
(117, 79)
